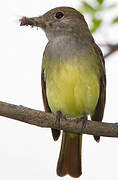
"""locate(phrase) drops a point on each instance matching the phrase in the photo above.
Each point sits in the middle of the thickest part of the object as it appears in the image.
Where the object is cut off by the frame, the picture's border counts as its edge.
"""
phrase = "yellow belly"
(72, 89)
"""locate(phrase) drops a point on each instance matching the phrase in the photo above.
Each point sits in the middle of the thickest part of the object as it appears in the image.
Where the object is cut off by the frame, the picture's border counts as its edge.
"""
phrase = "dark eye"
(59, 15)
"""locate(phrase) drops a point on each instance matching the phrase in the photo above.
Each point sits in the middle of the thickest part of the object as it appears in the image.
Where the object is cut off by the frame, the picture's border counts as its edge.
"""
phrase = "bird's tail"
(69, 161)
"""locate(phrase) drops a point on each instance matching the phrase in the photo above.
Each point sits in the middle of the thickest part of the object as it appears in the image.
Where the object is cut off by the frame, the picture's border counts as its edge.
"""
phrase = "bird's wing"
(55, 132)
(99, 111)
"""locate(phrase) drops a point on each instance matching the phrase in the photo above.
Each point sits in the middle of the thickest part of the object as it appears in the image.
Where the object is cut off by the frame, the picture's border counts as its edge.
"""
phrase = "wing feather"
(99, 111)
(55, 132)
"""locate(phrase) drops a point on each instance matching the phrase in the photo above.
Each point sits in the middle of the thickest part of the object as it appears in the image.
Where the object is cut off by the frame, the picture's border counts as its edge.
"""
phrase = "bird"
(73, 78)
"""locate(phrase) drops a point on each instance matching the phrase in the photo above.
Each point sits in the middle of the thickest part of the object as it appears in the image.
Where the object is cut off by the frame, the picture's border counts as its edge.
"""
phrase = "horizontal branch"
(48, 120)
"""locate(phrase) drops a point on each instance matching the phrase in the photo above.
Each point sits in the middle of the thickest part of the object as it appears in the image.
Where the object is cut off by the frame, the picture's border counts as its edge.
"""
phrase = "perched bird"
(73, 78)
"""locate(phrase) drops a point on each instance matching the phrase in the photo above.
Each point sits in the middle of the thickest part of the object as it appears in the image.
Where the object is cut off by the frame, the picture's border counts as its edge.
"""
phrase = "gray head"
(61, 21)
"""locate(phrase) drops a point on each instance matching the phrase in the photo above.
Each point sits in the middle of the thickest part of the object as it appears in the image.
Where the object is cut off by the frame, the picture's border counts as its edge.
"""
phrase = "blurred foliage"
(115, 20)
(94, 9)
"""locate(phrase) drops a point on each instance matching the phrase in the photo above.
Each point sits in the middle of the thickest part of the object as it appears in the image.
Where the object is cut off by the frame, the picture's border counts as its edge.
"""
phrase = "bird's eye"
(59, 15)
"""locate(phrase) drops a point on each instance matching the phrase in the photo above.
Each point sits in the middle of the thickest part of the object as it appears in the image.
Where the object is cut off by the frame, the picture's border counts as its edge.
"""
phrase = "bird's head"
(60, 21)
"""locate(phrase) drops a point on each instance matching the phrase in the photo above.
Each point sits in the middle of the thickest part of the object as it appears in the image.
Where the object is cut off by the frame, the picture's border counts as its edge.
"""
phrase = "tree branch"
(48, 120)
(112, 48)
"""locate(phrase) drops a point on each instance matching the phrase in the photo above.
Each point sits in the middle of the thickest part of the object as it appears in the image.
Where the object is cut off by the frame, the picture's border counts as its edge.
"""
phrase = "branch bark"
(48, 120)
(112, 48)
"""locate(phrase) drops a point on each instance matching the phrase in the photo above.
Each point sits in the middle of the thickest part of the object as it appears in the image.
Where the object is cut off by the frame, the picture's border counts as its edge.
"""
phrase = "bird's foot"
(59, 115)
(84, 121)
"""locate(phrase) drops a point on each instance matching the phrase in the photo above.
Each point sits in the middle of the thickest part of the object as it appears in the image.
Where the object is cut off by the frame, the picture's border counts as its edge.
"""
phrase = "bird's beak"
(34, 21)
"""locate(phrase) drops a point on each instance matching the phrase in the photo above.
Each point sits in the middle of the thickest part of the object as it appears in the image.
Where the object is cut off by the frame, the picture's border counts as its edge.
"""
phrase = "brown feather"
(99, 111)
(69, 161)
(55, 132)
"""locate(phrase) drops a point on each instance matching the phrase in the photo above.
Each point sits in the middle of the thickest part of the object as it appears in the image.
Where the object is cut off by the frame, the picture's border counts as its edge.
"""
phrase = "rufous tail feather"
(69, 161)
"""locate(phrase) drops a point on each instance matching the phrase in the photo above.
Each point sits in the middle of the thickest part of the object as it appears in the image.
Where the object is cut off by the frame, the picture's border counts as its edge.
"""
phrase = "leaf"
(88, 7)
(95, 24)
(100, 1)
(115, 20)
(111, 6)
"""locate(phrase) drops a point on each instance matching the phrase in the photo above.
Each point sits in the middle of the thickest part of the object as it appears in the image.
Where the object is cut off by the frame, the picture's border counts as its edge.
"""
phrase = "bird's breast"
(72, 88)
